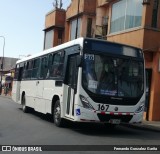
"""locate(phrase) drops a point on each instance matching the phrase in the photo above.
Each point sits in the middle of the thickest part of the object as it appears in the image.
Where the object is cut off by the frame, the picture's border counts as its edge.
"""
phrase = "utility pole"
(2, 64)
(77, 21)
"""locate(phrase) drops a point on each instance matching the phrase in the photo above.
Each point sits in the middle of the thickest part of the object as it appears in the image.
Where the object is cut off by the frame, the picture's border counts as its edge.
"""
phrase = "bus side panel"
(49, 91)
(40, 102)
(48, 94)
(29, 87)
(16, 91)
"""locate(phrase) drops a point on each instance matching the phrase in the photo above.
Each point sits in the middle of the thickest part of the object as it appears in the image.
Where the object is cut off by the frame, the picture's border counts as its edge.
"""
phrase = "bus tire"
(59, 122)
(24, 107)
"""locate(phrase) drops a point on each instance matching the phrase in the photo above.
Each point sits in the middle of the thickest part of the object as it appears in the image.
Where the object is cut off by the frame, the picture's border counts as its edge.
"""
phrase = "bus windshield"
(113, 76)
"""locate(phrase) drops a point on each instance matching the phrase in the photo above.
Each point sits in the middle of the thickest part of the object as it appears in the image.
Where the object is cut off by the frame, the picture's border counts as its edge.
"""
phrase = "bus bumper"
(85, 115)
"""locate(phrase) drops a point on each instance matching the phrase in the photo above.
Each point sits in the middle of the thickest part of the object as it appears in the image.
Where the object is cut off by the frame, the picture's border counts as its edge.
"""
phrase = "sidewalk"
(146, 125)
(5, 96)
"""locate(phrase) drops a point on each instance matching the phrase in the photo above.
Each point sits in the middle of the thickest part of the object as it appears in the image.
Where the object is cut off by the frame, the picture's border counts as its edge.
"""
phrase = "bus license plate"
(115, 121)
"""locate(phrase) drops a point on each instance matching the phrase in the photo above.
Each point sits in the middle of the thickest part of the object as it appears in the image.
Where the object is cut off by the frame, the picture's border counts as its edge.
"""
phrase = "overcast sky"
(22, 24)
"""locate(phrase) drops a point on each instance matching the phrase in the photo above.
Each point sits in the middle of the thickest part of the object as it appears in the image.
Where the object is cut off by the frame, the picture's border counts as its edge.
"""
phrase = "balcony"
(87, 7)
(55, 18)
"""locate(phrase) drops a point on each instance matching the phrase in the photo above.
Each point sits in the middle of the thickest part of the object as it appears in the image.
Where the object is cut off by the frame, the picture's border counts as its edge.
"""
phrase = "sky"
(22, 23)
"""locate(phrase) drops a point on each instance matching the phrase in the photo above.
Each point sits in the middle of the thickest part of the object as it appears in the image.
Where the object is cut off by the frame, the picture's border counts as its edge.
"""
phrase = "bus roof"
(68, 44)
(59, 47)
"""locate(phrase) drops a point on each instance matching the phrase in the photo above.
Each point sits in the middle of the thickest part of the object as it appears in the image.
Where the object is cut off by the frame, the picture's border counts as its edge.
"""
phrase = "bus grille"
(108, 117)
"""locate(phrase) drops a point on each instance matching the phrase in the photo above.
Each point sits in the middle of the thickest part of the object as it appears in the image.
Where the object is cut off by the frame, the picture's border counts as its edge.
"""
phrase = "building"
(7, 73)
(132, 22)
(54, 28)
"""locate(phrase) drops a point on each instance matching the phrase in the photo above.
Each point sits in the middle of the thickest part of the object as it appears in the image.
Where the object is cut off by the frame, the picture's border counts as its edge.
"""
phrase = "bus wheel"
(24, 107)
(57, 115)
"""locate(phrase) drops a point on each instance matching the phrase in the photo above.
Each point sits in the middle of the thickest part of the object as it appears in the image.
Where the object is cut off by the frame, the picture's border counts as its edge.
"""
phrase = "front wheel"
(57, 115)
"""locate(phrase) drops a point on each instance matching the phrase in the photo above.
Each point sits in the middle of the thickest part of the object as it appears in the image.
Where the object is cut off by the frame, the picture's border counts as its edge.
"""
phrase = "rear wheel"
(57, 115)
(24, 107)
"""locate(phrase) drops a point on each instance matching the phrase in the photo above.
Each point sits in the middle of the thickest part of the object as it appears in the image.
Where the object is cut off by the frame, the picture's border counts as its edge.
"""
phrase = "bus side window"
(16, 72)
(50, 63)
(24, 71)
(44, 68)
(20, 73)
(57, 66)
(28, 70)
(35, 69)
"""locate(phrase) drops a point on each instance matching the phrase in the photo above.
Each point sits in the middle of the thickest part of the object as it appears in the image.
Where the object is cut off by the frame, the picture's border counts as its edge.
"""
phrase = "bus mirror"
(78, 60)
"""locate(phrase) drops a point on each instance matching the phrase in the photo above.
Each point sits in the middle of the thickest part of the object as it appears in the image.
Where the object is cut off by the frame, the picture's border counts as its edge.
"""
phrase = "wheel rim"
(57, 114)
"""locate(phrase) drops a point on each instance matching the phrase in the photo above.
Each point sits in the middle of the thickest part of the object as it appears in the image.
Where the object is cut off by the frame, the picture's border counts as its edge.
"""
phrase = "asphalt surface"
(18, 128)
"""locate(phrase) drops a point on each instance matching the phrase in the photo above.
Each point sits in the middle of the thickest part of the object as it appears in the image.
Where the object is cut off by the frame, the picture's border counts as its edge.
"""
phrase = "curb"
(143, 126)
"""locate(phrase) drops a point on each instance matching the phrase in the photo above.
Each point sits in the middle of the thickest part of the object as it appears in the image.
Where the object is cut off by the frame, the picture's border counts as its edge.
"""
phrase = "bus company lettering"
(28, 148)
(34, 149)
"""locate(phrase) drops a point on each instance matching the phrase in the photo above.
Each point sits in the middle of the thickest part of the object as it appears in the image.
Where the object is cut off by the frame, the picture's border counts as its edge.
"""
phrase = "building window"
(48, 43)
(155, 13)
(89, 27)
(104, 26)
(126, 14)
(60, 34)
(73, 28)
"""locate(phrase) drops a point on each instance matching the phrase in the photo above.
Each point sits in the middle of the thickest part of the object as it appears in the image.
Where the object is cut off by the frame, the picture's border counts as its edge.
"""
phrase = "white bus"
(84, 80)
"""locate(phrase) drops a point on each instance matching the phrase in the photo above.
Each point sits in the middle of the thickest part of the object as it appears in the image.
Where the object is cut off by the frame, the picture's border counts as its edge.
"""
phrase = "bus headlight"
(140, 108)
(86, 104)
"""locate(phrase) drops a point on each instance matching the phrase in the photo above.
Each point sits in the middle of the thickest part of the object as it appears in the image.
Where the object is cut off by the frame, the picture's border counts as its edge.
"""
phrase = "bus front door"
(71, 80)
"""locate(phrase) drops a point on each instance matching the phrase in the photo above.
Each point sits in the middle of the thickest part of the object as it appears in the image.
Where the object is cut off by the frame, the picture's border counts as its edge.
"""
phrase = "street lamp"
(2, 64)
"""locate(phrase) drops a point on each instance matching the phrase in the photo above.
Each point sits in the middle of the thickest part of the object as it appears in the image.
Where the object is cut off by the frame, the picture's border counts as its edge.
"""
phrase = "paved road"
(17, 128)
